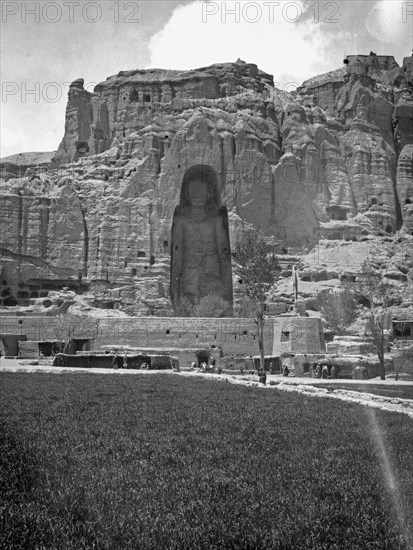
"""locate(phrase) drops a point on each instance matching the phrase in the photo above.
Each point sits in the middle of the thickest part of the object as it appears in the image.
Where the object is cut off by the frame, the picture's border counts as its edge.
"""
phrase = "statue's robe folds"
(201, 257)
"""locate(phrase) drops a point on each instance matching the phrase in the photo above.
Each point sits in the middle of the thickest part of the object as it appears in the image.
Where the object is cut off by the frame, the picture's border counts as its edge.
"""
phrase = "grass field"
(161, 461)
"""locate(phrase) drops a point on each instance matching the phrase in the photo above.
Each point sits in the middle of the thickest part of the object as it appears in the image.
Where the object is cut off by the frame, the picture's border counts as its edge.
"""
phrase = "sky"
(45, 45)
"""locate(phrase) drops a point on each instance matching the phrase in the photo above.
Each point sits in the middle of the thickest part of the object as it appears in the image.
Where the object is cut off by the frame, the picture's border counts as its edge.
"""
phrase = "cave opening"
(336, 213)
(82, 147)
(10, 302)
(134, 96)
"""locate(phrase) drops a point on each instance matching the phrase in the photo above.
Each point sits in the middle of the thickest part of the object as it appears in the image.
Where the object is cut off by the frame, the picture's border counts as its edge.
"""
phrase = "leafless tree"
(377, 293)
(212, 306)
(338, 307)
(258, 271)
(67, 326)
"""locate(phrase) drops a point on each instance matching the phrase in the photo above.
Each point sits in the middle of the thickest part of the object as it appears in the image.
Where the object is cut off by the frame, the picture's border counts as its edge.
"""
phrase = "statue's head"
(197, 193)
(200, 188)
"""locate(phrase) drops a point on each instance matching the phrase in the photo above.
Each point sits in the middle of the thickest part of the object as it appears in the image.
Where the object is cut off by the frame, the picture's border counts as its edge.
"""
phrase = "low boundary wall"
(236, 336)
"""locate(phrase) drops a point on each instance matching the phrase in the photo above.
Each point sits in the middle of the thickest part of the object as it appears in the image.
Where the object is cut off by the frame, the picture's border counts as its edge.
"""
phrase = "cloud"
(388, 23)
(283, 42)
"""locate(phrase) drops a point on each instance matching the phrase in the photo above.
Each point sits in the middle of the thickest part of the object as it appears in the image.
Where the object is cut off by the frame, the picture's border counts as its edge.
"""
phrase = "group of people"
(322, 371)
(207, 367)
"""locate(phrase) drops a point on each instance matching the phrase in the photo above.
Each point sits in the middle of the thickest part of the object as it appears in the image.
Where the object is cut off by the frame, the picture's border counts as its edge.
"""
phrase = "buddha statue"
(200, 254)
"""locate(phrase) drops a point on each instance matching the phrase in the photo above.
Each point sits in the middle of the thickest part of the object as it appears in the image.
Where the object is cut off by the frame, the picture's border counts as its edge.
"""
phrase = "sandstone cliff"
(332, 160)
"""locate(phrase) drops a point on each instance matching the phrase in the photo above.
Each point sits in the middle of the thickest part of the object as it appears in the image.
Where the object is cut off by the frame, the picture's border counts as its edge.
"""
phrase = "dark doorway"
(336, 213)
(49, 348)
(203, 357)
(80, 345)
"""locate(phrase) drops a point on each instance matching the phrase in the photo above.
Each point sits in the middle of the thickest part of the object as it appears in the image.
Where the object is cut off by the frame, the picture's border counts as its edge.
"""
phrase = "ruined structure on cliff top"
(331, 160)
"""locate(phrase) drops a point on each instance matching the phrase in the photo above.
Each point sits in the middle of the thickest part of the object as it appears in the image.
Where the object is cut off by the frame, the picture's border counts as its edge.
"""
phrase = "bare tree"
(376, 292)
(185, 308)
(338, 307)
(246, 308)
(212, 306)
(70, 326)
(258, 271)
(60, 330)
(404, 360)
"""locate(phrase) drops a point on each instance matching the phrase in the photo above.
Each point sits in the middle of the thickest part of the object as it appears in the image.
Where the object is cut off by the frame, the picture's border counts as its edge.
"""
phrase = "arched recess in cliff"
(102, 132)
(200, 241)
(295, 221)
(86, 241)
(67, 233)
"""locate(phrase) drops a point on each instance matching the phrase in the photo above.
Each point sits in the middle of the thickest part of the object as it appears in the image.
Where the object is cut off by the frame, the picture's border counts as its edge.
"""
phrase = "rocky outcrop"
(25, 165)
(132, 100)
(362, 106)
(331, 160)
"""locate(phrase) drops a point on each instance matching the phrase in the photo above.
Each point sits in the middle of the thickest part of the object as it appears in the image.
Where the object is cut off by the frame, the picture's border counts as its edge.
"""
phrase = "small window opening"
(285, 336)
(147, 98)
(134, 96)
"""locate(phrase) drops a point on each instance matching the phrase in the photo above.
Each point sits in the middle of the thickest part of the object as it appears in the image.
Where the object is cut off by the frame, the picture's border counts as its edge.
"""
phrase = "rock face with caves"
(332, 160)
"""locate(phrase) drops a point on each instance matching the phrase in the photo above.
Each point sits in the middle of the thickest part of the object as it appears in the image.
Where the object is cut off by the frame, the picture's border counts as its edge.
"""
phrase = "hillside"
(328, 167)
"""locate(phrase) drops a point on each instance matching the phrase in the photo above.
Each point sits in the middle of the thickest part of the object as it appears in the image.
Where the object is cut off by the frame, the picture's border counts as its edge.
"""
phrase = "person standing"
(212, 363)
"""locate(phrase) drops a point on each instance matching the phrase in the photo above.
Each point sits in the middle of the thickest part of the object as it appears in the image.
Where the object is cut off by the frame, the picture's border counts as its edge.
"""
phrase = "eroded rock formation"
(331, 160)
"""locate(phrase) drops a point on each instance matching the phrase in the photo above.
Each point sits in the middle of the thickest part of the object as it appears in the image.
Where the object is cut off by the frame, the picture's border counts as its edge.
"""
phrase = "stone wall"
(298, 335)
(235, 336)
